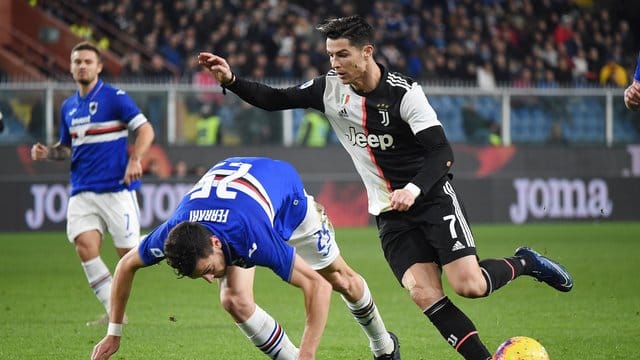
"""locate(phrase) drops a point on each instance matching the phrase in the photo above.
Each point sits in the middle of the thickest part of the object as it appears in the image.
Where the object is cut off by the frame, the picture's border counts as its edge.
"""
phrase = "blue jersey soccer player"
(247, 212)
(95, 124)
(632, 92)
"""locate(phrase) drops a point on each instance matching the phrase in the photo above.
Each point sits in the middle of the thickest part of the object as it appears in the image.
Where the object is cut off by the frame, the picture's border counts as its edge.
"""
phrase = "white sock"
(268, 336)
(366, 314)
(99, 279)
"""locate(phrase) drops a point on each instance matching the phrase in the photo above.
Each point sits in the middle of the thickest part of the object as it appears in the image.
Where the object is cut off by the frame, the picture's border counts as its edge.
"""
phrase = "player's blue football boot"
(546, 270)
(395, 355)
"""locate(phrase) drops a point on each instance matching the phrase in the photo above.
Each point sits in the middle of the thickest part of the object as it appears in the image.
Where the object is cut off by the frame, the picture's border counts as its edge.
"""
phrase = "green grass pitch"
(45, 301)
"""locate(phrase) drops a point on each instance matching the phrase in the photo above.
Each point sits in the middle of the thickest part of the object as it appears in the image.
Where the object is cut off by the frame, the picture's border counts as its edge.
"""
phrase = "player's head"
(193, 251)
(86, 63)
(353, 28)
(349, 42)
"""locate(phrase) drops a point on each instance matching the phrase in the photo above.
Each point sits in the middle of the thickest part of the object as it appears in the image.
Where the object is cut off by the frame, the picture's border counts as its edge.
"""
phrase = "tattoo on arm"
(58, 152)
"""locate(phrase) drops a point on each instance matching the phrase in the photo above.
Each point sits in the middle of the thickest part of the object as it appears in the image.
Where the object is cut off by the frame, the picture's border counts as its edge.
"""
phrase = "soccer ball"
(521, 348)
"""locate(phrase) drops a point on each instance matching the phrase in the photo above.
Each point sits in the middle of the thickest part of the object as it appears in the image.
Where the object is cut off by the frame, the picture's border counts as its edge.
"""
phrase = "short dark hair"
(353, 28)
(86, 45)
(186, 244)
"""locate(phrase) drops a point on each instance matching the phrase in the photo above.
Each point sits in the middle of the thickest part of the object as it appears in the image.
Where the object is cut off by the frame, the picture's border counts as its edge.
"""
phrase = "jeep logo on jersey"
(372, 140)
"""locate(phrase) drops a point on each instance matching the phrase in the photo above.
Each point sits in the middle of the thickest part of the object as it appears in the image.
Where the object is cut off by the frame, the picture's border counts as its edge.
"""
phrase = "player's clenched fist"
(632, 96)
(39, 152)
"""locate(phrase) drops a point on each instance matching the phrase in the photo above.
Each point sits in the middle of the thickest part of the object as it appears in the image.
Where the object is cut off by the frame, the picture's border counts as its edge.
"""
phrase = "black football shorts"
(434, 229)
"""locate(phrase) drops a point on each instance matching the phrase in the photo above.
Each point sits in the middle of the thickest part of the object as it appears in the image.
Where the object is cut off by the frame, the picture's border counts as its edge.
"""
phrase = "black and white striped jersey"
(377, 128)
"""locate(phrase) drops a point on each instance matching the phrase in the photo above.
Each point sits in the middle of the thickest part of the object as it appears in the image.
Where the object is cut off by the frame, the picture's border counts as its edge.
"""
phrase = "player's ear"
(215, 242)
(367, 51)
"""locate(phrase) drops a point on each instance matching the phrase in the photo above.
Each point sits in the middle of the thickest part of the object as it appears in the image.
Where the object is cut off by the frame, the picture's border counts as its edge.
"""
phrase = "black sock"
(457, 329)
(498, 272)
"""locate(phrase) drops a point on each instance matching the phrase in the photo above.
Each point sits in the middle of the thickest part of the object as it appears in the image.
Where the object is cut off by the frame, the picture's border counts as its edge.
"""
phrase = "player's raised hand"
(217, 65)
(105, 348)
(632, 96)
(39, 152)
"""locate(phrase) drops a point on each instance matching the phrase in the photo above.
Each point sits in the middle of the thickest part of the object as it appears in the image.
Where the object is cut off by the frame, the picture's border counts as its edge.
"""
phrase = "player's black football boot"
(546, 270)
(395, 355)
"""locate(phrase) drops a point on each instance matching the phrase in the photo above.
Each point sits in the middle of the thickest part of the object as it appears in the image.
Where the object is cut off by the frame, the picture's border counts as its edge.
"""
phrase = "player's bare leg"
(466, 278)
(423, 281)
(356, 295)
(236, 297)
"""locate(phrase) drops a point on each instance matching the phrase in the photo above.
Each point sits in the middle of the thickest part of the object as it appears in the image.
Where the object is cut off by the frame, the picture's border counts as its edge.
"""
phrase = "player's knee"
(339, 282)
(237, 305)
(469, 287)
(424, 297)
(86, 249)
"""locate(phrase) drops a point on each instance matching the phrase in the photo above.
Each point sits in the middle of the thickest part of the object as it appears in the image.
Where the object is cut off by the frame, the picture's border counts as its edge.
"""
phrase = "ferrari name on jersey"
(211, 215)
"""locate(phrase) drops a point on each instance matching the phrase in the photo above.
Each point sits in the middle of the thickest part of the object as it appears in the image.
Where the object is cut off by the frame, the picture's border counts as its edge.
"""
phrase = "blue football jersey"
(252, 205)
(636, 75)
(96, 127)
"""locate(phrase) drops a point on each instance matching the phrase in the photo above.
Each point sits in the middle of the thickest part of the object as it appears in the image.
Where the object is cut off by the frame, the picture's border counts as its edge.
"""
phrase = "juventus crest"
(383, 110)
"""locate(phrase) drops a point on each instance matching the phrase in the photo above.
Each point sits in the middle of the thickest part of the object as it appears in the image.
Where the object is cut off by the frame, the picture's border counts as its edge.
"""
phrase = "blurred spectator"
(476, 127)
(314, 131)
(199, 171)
(580, 68)
(613, 74)
(181, 170)
(485, 78)
(169, 49)
(257, 126)
(82, 29)
(132, 69)
(158, 70)
(208, 127)
(209, 92)
(524, 80)
(13, 130)
(556, 135)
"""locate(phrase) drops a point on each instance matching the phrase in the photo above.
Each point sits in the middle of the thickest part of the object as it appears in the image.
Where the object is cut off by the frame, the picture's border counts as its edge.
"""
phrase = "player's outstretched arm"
(317, 296)
(120, 290)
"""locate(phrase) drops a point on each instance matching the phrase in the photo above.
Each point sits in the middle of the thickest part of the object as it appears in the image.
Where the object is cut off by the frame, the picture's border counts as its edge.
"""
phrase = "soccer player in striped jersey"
(398, 146)
(632, 92)
(94, 129)
(247, 212)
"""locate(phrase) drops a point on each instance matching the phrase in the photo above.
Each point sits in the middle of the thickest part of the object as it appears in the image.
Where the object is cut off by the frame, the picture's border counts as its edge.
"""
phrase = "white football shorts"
(314, 239)
(117, 212)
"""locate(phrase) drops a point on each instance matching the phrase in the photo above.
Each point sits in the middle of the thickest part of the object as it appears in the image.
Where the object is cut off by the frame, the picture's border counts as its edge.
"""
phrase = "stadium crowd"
(545, 43)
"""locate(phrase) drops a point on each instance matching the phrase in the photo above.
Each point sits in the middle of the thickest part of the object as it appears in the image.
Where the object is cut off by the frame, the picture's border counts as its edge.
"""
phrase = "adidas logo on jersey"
(343, 113)
(457, 246)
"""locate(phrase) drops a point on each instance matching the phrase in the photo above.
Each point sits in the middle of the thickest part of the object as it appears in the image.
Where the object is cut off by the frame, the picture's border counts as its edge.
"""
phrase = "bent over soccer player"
(247, 212)
(400, 150)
